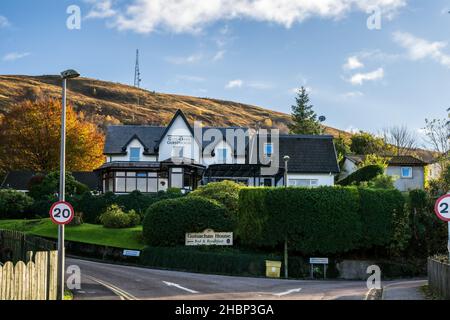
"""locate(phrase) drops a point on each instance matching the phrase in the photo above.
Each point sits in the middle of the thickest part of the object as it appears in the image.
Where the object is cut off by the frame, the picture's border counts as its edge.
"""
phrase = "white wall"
(323, 179)
(179, 128)
(208, 160)
(133, 144)
(347, 168)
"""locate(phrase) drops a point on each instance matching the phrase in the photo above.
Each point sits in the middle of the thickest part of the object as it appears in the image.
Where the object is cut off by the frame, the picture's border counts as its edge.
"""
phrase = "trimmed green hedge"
(364, 174)
(325, 220)
(218, 260)
(167, 222)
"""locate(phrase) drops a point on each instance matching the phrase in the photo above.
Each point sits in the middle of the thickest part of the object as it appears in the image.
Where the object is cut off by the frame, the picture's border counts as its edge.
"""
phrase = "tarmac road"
(100, 281)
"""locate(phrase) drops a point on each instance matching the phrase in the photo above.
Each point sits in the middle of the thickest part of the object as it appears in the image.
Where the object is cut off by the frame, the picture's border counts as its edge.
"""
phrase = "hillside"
(112, 103)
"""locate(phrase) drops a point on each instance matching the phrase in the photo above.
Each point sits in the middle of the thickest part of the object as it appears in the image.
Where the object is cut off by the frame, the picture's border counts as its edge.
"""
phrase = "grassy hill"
(112, 103)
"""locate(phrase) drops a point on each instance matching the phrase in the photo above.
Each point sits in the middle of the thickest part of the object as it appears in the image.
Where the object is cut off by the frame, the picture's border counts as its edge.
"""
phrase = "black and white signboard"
(209, 238)
(61, 213)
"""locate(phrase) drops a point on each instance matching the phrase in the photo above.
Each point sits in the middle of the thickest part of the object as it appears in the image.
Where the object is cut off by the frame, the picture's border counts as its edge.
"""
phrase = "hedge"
(166, 222)
(218, 260)
(364, 174)
(325, 220)
(14, 204)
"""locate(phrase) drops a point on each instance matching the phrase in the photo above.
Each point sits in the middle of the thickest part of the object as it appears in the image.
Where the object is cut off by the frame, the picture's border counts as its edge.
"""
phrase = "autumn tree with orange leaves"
(30, 135)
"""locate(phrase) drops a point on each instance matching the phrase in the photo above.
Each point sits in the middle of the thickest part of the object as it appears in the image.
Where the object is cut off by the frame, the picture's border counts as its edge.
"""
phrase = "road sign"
(442, 208)
(131, 253)
(62, 213)
(318, 260)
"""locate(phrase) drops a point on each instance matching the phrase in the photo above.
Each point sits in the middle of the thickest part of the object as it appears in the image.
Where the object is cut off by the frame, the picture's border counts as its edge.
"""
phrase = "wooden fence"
(14, 245)
(34, 280)
(439, 277)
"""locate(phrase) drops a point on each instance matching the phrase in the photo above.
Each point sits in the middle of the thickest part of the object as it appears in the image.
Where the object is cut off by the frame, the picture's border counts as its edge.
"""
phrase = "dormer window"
(135, 154)
(177, 152)
(222, 155)
(268, 149)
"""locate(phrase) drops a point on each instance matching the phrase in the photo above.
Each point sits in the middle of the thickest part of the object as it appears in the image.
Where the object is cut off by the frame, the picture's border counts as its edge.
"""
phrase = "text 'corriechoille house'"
(152, 159)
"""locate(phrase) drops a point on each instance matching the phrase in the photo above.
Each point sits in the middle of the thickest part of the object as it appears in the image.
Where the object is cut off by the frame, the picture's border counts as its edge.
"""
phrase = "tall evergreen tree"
(304, 119)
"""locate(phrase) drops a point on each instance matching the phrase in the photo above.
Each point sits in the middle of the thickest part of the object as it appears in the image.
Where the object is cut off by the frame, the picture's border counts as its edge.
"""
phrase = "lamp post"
(68, 74)
(286, 160)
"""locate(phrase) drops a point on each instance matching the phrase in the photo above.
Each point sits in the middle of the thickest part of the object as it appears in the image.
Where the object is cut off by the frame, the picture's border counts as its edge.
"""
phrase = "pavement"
(102, 281)
(404, 290)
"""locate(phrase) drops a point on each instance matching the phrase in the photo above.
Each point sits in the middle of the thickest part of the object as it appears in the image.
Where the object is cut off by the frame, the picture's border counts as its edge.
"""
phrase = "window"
(135, 154)
(303, 182)
(177, 152)
(222, 155)
(406, 172)
(268, 149)
(176, 178)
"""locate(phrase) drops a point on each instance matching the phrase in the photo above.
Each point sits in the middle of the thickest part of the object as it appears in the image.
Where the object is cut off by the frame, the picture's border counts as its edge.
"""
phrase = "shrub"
(362, 175)
(224, 192)
(92, 206)
(381, 181)
(50, 186)
(115, 217)
(14, 204)
(166, 222)
(207, 260)
(322, 220)
(136, 201)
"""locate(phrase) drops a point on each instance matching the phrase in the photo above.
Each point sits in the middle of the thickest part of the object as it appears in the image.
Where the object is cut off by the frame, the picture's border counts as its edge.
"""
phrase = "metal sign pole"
(448, 242)
(62, 183)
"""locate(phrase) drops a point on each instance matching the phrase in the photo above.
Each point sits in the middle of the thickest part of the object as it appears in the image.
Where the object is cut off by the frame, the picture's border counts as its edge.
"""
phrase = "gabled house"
(409, 171)
(152, 159)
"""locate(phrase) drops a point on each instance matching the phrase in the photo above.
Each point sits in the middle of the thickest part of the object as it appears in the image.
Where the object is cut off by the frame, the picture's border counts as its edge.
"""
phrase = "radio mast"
(137, 72)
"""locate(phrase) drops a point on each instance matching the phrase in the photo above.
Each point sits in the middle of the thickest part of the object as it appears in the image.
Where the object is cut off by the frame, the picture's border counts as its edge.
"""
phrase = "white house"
(152, 159)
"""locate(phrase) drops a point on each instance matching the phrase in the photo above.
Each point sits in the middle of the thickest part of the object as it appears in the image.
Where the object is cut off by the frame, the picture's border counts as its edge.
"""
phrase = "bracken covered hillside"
(112, 103)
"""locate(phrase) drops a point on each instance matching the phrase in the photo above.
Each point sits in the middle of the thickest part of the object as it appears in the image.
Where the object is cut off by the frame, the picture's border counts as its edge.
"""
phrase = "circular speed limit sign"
(442, 208)
(61, 212)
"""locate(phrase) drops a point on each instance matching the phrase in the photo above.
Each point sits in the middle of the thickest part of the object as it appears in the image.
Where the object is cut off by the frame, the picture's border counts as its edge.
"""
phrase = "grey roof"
(117, 138)
(391, 160)
(309, 154)
(19, 180)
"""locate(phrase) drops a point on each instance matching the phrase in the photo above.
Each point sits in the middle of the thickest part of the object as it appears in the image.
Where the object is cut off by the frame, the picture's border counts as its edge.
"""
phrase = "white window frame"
(139, 154)
(222, 155)
(265, 149)
(180, 152)
(409, 176)
(311, 183)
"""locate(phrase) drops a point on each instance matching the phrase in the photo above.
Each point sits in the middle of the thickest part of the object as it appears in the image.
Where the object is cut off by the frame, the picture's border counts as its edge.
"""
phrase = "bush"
(92, 206)
(224, 192)
(381, 181)
(166, 222)
(206, 260)
(362, 175)
(322, 220)
(115, 217)
(14, 204)
(50, 186)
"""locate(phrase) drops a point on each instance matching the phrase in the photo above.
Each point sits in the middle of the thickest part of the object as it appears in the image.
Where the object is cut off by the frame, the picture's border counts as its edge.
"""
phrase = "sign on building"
(179, 140)
(209, 238)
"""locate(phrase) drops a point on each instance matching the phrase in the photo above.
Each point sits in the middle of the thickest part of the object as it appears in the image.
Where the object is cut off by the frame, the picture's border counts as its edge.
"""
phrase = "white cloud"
(4, 22)
(352, 94)
(100, 9)
(307, 88)
(193, 58)
(13, 56)
(179, 16)
(219, 55)
(360, 78)
(353, 63)
(418, 48)
(238, 83)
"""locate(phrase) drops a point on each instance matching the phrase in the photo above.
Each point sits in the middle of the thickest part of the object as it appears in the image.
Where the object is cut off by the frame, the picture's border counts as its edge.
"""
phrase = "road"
(116, 282)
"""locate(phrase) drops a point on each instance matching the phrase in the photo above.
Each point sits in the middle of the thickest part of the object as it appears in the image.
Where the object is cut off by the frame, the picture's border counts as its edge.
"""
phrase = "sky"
(367, 64)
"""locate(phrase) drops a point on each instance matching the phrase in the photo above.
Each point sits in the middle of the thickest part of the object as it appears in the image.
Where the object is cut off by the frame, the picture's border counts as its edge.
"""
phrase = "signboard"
(318, 260)
(179, 140)
(131, 253)
(442, 208)
(61, 212)
(209, 238)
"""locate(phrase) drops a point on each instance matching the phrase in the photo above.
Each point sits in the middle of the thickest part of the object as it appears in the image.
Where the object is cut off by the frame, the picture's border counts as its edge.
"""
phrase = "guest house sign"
(178, 140)
(209, 238)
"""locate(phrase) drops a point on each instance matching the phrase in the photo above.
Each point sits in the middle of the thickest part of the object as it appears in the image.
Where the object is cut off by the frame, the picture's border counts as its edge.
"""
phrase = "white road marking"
(123, 295)
(285, 293)
(170, 284)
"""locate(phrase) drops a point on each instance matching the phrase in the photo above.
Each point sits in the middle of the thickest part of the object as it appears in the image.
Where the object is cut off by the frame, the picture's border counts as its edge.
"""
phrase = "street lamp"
(68, 74)
(286, 160)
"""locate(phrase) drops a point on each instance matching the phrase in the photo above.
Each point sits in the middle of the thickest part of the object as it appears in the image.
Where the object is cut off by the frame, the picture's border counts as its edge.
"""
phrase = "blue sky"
(251, 51)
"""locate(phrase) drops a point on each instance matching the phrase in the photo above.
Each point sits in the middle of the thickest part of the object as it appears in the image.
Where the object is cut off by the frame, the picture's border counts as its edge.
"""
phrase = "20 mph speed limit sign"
(442, 208)
(61, 212)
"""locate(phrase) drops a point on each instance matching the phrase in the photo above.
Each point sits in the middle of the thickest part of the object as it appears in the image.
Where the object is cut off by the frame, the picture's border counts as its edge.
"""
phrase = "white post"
(62, 184)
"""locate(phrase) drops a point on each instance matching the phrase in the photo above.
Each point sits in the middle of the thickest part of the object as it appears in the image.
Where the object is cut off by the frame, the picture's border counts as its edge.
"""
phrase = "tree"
(304, 119)
(342, 145)
(437, 133)
(30, 138)
(401, 139)
(366, 143)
